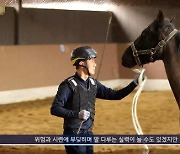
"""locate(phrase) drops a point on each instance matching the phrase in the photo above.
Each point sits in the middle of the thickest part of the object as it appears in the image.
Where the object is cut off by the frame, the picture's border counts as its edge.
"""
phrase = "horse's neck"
(172, 65)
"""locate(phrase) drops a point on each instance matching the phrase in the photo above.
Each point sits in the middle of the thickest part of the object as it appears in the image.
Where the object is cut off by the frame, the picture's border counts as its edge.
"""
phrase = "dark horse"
(159, 41)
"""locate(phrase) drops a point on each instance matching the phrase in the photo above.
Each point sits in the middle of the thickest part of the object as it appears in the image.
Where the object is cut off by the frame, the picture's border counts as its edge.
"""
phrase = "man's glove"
(84, 115)
(139, 78)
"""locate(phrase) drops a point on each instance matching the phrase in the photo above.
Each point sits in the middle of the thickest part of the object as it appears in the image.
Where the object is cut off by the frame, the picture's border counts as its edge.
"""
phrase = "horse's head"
(148, 47)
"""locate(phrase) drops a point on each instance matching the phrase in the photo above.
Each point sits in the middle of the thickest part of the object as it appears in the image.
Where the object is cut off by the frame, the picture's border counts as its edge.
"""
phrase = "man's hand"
(139, 78)
(84, 115)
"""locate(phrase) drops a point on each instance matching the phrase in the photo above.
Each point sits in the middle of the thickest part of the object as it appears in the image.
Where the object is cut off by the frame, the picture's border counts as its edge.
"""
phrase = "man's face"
(91, 64)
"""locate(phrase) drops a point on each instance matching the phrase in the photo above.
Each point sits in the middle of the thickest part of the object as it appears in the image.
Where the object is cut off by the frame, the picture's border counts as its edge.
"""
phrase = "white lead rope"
(134, 106)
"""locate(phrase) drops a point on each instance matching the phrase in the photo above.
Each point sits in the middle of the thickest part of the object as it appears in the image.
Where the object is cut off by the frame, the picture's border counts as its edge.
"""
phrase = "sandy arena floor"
(158, 113)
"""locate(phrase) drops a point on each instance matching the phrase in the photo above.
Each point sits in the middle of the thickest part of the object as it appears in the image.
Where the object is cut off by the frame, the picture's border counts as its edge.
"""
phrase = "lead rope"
(134, 107)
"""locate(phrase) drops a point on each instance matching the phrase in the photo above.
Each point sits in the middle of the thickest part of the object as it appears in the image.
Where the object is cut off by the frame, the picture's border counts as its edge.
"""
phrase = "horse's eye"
(168, 28)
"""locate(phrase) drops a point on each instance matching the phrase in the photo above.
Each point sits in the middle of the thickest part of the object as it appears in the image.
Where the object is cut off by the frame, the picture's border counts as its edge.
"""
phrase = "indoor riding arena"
(36, 42)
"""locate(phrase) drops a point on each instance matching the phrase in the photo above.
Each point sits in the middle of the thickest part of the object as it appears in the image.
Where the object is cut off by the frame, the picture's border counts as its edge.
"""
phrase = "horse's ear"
(160, 16)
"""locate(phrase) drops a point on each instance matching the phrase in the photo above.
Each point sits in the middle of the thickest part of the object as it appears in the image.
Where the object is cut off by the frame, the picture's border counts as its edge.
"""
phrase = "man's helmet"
(82, 53)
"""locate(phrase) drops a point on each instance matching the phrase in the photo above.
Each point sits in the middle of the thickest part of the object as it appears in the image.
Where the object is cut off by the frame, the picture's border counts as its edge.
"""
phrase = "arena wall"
(35, 71)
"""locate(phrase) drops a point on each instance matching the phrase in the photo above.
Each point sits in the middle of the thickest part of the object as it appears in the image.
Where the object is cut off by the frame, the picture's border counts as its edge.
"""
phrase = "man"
(75, 98)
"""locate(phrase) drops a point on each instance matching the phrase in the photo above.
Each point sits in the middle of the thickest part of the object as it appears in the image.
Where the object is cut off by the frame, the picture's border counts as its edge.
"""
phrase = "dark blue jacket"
(62, 101)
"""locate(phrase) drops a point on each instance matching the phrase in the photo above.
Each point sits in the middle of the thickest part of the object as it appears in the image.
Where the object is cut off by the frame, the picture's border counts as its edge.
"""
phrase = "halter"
(151, 51)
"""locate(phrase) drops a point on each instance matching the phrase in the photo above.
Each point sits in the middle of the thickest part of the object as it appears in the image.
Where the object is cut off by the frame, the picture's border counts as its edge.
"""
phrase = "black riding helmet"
(82, 53)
